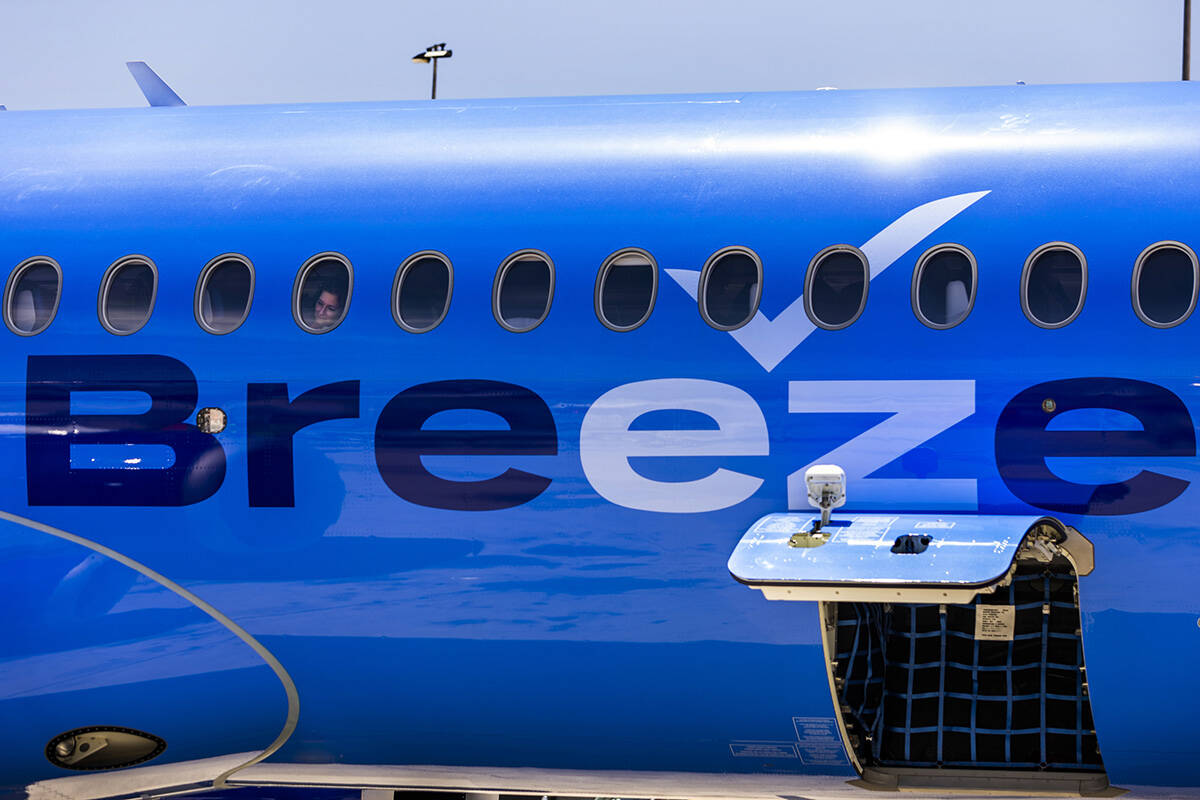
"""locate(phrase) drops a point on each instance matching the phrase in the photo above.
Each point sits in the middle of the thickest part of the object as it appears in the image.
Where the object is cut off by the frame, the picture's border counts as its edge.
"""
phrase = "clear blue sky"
(71, 53)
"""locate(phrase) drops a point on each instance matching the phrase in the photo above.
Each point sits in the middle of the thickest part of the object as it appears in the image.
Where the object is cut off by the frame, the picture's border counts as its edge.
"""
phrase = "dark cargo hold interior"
(916, 688)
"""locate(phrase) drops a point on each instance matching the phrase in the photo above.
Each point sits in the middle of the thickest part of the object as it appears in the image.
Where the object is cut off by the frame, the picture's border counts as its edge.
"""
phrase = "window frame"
(706, 274)
(106, 283)
(811, 273)
(919, 270)
(11, 285)
(398, 282)
(202, 284)
(1138, 265)
(498, 282)
(605, 268)
(1083, 286)
(298, 284)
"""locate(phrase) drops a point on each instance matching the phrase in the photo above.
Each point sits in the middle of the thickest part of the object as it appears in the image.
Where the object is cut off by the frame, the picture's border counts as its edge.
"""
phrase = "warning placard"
(995, 623)
(767, 750)
(819, 741)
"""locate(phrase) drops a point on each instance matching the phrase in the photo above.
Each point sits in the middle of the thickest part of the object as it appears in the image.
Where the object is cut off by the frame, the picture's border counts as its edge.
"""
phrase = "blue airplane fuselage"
(554, 594)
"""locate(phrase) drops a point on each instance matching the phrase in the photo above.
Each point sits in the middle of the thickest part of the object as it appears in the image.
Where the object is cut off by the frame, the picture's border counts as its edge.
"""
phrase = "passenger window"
(223, 294)
(421, 292)
(730, 288)
(835, 288)
(943, 289)
(127, 295)
(523, 291)
(321, 294)
(1054, 285)
(1164, 284)
(31, 296)
(626, 289)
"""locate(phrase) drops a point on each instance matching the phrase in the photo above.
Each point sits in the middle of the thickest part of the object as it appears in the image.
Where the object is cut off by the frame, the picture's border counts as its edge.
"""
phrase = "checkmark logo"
(769, 341)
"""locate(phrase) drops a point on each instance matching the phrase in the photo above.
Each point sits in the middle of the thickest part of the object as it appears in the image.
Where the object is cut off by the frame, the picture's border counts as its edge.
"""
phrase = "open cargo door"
(953, 644)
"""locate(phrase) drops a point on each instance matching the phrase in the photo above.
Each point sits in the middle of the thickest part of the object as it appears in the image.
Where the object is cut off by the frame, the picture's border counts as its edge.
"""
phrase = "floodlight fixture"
(826, 490)
(431, 54)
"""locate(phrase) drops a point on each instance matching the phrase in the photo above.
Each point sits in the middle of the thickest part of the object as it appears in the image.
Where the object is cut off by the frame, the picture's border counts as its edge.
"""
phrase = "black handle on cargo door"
(911, 543)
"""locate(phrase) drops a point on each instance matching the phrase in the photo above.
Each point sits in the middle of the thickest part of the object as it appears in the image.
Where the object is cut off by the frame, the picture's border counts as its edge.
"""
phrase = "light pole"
(1187, 40)
(433, 53)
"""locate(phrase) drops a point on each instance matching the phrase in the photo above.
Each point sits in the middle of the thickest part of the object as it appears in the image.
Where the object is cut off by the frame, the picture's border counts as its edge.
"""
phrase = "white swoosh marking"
(769, 341)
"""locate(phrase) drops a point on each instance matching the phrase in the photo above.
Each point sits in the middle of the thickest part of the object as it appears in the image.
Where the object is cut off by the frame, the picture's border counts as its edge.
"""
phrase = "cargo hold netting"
(919, 686)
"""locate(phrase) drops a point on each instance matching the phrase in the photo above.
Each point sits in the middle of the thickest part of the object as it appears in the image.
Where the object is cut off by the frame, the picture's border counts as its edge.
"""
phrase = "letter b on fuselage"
(51, 429)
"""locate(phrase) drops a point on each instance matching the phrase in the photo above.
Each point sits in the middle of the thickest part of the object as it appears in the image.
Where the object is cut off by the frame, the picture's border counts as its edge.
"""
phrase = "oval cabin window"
(1164, 284)
(943, 290)
(1054, 285)
(127, 295)
(835, 288)
(730, 288)
(421, 292)
(626, 289)
(223, 294)
(31, 296)
(321, 295)
(523, 291)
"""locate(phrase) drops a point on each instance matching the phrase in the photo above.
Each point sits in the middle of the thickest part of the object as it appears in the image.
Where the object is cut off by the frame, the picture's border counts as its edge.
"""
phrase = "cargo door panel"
(878, 557)
(953, 644)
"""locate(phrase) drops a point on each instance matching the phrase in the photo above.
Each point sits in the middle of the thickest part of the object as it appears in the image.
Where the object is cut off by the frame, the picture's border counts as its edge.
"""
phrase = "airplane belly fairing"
(471, 547)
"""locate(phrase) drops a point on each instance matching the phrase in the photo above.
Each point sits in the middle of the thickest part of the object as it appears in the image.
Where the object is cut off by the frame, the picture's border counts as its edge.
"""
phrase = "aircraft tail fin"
(153, 87)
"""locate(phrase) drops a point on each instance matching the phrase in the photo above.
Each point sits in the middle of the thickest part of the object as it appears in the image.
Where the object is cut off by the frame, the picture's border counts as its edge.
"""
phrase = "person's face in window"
(327, 310)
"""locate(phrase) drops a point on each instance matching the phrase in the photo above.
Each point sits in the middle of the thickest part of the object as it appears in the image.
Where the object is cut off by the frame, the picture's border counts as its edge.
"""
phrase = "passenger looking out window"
(327, 308)
(324, 294)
